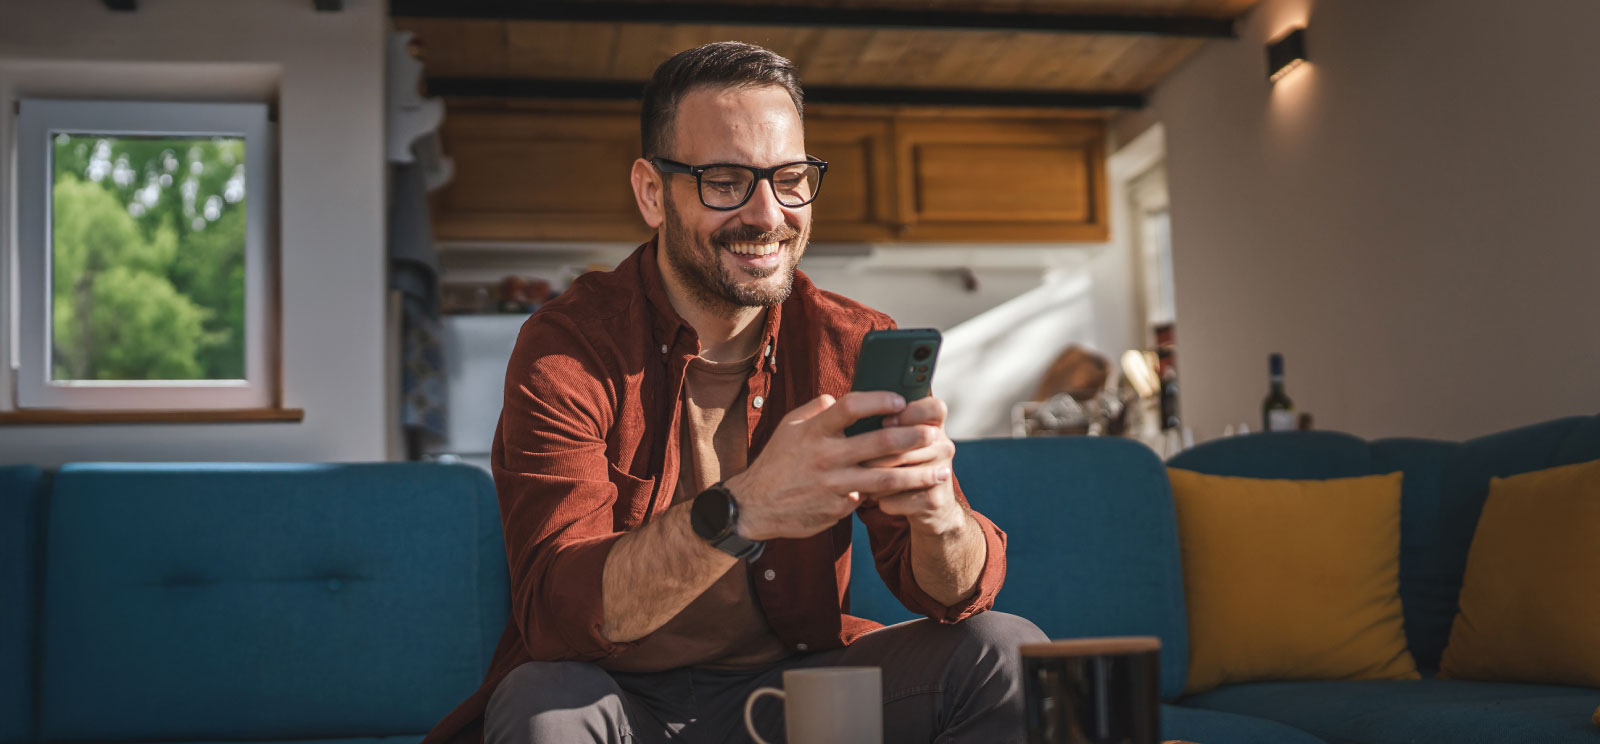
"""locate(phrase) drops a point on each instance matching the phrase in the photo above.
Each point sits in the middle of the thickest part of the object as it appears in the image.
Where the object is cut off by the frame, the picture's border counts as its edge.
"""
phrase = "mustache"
(751, 234)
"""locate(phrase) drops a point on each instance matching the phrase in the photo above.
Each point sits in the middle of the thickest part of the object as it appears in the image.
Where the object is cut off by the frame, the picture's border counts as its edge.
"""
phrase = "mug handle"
(750, 706)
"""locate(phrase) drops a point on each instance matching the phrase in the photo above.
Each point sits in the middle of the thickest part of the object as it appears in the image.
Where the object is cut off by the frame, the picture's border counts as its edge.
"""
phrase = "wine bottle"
(1277, 411)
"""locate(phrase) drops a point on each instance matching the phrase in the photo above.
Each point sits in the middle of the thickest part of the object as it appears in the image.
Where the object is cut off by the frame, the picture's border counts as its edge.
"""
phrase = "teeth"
(753, 249)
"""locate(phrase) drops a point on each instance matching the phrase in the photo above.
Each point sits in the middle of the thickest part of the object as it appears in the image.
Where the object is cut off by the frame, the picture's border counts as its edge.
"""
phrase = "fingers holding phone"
(928, 413)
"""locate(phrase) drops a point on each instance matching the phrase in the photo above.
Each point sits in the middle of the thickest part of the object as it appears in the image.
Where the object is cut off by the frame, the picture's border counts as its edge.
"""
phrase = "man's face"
(745, 257)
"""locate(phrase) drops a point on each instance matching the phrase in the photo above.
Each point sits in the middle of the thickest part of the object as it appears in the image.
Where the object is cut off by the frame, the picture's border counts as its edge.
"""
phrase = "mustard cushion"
(1530, 604)
(1290, 579)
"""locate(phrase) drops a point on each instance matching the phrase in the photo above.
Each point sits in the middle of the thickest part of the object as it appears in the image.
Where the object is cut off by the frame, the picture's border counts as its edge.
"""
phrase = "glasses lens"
(725, 187)
(796, 185)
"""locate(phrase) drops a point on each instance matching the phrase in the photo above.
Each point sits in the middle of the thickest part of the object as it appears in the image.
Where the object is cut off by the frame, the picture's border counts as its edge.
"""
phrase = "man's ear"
(647, 186)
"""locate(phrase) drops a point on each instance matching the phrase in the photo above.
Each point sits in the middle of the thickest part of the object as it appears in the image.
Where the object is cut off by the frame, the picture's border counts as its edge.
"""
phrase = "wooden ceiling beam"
(592, 90)
(603, 11)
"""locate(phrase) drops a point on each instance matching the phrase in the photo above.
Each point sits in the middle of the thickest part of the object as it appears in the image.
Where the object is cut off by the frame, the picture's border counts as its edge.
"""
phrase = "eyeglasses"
(727, 186)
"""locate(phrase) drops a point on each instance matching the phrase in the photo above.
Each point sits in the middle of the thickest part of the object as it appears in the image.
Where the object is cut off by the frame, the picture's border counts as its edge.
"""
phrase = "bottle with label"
(1277, 411)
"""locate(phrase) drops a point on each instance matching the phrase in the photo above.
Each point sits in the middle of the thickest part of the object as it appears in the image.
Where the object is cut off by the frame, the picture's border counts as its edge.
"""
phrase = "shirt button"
(768, 352)
(770, 575)
(663, 348)
(800, 647)
(758, 401)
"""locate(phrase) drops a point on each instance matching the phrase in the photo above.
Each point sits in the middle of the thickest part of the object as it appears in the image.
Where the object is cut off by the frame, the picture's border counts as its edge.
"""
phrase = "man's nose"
(763, 210)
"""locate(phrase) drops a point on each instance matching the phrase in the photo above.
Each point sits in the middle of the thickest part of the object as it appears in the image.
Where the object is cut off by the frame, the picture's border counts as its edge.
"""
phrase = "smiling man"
(675, 484)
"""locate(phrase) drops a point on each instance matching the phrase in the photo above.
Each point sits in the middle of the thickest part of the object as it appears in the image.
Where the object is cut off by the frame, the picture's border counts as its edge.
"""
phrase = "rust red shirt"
(587, 449)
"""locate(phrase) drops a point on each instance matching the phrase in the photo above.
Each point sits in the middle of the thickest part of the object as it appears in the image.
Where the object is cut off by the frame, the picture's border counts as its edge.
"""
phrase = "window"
(143, 256)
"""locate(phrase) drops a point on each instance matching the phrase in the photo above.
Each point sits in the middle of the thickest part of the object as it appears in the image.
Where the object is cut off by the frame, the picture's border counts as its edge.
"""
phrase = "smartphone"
(900, 361)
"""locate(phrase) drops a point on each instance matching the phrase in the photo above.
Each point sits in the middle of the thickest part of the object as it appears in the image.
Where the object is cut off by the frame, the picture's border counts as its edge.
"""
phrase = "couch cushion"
(254, 601)
(21, 498)
(1217, 727)
(1092, 543)
(1265, 600)
(1530, 603)
(1450, 711)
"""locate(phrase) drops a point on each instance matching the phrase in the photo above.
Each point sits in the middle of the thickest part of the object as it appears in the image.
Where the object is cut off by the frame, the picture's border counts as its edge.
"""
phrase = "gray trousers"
(941, 683)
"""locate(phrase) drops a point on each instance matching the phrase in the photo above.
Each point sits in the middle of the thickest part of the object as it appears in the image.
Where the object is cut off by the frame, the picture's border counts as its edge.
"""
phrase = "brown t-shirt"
(724, 627)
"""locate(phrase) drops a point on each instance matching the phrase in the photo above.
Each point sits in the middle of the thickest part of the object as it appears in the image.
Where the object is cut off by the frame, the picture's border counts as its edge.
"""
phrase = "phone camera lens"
(921, 353)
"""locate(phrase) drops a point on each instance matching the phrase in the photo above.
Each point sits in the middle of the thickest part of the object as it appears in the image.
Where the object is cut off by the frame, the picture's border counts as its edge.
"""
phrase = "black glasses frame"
(760, 174)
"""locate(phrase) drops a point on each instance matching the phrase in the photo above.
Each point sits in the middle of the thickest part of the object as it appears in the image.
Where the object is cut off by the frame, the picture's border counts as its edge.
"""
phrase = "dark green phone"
(901, 361)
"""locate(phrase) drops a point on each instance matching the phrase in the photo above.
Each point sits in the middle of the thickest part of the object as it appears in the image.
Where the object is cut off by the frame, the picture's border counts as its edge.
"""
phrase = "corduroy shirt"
(587, 449)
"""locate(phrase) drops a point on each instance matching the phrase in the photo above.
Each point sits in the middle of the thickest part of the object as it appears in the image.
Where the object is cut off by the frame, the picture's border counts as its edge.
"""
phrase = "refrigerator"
(476, 350)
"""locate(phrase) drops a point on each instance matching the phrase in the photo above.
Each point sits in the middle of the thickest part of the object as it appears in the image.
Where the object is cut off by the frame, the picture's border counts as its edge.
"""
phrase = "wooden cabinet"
(539, 175)
(559, 174)
(857, 201)
(1000, 180)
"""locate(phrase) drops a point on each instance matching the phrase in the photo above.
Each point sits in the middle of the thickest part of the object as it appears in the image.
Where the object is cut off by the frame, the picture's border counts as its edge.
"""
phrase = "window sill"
(241, 415)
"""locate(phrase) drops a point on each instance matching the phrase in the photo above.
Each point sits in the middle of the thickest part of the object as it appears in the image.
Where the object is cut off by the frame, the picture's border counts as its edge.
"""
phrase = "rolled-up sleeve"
(556, 499)
(890, 536)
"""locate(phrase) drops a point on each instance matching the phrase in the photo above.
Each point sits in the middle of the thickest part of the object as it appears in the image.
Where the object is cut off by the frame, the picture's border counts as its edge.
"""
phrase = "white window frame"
(38, 121)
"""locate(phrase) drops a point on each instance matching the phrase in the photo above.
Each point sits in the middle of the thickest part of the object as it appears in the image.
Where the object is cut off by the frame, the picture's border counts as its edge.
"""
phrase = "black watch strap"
(714, 516)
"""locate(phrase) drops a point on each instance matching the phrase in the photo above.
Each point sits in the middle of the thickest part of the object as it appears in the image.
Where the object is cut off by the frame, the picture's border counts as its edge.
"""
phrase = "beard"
(698, 263)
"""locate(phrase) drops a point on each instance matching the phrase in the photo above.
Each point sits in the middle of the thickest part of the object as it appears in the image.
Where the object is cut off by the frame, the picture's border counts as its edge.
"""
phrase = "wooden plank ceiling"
(982, 60)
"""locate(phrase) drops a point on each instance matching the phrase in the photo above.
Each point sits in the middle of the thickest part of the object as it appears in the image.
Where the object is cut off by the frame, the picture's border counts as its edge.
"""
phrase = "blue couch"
(223, 602)
(1094, 551)
(359, 603)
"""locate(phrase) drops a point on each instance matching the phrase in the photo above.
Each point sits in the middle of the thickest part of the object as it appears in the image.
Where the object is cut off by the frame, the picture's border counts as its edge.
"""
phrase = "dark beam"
(625, 91)
(769, 15)
(122, 6)
(328, 6)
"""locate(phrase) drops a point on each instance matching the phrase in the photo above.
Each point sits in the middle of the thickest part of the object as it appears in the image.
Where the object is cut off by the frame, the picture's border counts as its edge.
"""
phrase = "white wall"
(1410, 218)
(326, 70)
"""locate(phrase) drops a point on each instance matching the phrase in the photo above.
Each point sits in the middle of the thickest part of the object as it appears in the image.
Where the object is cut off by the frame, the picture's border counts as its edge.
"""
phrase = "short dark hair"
(721, 64)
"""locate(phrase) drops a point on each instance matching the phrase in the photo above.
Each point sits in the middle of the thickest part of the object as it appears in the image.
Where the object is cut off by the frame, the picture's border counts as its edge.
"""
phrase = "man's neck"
(727, 332)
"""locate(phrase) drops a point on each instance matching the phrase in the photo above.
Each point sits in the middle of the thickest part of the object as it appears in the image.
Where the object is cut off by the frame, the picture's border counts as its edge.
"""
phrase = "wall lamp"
(1285, 54)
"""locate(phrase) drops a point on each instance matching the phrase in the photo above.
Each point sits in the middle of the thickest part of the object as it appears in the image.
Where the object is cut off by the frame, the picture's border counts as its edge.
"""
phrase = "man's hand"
(809, 475)
(948, 548)
(931, 511)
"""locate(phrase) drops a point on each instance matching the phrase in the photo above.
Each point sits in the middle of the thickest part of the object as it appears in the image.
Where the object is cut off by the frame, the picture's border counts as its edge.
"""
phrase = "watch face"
(710, 513)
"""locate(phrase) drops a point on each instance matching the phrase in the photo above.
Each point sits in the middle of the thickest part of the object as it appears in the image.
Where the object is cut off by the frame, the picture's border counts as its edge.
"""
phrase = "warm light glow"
(1291, 67)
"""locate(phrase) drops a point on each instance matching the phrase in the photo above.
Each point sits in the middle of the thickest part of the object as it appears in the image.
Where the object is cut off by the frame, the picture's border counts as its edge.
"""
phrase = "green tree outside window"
(147, 261)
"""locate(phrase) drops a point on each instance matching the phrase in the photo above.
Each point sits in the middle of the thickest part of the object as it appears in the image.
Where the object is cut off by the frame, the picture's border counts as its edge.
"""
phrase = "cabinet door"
(1000, 180)
(537, 175)
(857, 198)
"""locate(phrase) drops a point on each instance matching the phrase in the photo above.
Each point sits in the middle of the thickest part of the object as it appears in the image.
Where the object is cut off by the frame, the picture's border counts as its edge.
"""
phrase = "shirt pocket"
(634, 497)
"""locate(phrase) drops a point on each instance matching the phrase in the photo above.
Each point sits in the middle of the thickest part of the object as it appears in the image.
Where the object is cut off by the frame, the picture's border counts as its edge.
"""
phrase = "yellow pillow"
(1530, 607)
(1291, 579)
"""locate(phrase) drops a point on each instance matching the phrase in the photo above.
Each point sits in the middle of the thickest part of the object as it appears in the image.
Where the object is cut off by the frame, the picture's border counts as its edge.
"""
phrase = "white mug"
(826, 705)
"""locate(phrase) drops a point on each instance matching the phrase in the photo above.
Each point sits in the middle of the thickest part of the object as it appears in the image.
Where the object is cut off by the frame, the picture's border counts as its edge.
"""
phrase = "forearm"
(654, 572)
(947, 566)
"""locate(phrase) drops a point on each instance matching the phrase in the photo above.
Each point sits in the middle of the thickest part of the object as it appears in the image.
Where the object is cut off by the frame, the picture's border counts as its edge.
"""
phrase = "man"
(674, 480)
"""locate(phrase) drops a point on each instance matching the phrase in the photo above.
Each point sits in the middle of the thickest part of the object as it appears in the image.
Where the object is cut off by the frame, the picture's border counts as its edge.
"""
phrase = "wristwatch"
(714, 515)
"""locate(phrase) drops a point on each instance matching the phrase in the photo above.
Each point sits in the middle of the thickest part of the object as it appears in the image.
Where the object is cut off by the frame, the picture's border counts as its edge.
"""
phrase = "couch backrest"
(21, 498)
(1092, 541)
(218, 602)
(1443, 491)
